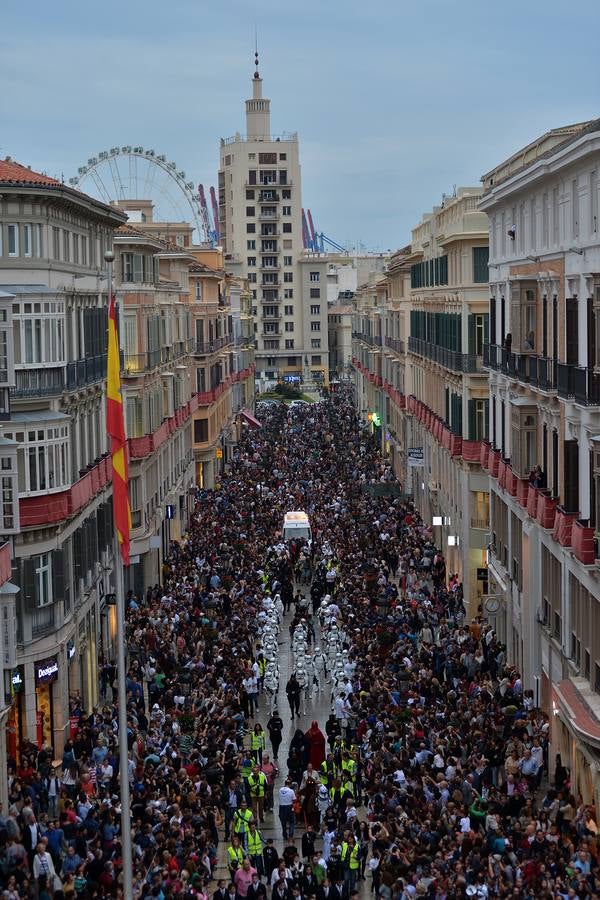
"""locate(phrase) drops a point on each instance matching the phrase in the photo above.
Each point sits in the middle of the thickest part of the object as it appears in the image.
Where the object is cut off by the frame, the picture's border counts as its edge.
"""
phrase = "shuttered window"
(481, 257)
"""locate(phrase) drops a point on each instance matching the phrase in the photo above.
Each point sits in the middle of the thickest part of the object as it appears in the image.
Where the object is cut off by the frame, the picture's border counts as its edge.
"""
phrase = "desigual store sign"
(46, 671)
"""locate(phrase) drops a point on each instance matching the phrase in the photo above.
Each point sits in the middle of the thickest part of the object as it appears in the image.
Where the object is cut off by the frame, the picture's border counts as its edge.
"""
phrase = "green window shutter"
(486, 328)
(472, 421)
(471, 330)
(481, 257)
(447, 404)
(58, 575)
(485, 436)
(28, 583)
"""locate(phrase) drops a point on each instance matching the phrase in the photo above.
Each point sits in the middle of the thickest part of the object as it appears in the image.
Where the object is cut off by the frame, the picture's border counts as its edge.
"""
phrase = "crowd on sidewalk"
(435, 776)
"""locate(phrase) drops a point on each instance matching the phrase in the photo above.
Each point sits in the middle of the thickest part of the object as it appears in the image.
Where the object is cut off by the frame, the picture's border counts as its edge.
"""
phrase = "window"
(250, 195)
(66, 245)
(283, 176)
(480, 264)
(315, 276)
(289, 344)
(200, 431)
(76, 249)
(267, 159)
(26, 240)
(315, 326)
(43, 459)
(289, 326)
(38, 330)
(315, 309)
(289, 310)
(84, 252)
(286, 227)
(315, 360)
(575, 208)
(315, 293)
(271, 344)
(315, 343)
(288, 294)
(252, 277)
(478, 411)
(250, 228)
(250, 211)
(8, 487)
(138, 268)
(523, 440)
(250, 245)
(288, 277)
(13, 240)
(287, 260)
(251, 157)
(286, 195)
(270, 262)
(287, 210)
(251, 260)
(282, 157)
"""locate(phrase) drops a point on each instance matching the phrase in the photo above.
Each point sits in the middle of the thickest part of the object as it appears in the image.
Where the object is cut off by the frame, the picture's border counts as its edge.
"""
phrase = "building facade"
(56, 478)
(260, 213)
(544, 453)
(419, 335)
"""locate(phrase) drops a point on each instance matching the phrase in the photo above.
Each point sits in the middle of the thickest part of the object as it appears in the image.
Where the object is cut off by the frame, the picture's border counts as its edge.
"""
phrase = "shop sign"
(16, 681)
(415, 457)
(46, 670)
(219, 453)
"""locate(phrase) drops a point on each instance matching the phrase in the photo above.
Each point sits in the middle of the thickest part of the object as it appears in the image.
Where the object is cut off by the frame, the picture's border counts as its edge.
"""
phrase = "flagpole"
(126, 848)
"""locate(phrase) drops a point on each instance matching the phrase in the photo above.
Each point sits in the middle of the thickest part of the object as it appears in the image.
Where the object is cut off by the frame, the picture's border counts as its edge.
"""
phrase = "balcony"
(481, 524)
(38, 382)
(268, 216)
(395, 344)
(203, 347)
(52, 508)
(450, 359)
(539, 371)
(579, 384)
(42, 620)
(86, 371)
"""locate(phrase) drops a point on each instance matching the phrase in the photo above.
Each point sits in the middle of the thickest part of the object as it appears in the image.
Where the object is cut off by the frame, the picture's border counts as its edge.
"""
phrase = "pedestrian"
(275, 729)
(287, 797)
(293, 691)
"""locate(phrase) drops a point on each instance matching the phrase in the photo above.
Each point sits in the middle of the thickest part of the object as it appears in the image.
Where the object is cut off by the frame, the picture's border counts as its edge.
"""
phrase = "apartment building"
(152, 283)
(56, 476)
(260, 211)
(432, 306)
(544, 362)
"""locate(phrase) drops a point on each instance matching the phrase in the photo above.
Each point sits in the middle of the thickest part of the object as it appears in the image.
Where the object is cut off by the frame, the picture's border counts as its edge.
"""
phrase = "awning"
(580, 716)
(250, 419)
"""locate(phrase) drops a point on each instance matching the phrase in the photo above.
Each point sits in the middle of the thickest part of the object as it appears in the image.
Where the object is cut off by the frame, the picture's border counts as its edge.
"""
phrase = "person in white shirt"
(286, 810)
(43, 865)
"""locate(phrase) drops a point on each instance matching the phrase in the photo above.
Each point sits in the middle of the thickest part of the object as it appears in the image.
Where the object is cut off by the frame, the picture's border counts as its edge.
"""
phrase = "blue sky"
(394, 102)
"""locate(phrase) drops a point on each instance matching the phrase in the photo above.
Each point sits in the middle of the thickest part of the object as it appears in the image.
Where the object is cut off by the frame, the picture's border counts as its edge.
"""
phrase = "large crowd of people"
(430, 777)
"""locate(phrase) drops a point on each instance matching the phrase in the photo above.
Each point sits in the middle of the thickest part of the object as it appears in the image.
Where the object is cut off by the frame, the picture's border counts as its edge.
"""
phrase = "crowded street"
(310, 718)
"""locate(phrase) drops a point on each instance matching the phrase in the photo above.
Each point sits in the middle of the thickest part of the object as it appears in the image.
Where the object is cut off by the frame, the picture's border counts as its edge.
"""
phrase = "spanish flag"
(115, 426)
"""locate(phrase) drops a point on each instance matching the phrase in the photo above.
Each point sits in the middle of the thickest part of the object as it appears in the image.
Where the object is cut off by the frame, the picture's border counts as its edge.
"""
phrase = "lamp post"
(126, 849)
(382, 404)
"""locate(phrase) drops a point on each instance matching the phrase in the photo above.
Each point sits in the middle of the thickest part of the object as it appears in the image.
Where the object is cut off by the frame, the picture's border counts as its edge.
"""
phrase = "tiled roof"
(12, 172)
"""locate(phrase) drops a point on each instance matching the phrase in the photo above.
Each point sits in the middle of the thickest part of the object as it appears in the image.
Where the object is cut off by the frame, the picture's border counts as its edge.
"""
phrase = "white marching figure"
(319, 664)
(302, 676)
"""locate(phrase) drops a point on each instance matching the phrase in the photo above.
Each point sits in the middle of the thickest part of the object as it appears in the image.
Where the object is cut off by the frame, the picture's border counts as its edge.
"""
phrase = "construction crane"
(311, 231)
(206, 216)
(215, 209)
(322, 240)
(305, 234)
(316, 241)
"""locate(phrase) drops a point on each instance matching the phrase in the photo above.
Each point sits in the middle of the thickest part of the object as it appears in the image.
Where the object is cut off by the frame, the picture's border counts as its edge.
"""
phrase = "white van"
(296, 525)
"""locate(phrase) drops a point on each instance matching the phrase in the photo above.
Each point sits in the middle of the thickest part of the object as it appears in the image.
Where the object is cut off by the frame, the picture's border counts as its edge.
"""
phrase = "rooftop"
(541, 147)
(12, 172)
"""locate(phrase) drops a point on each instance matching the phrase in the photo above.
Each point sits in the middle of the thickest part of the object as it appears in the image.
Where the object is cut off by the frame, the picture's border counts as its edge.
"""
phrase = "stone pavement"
(319, 708)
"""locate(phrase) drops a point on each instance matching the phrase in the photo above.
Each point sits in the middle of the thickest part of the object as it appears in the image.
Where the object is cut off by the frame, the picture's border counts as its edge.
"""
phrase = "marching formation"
(428, 775)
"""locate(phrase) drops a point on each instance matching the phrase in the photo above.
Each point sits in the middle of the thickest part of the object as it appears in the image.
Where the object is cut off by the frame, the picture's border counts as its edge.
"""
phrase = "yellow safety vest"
(257, 741)
(236, 856)
(255, 844)
(257, 783)
(353, 862)
(241, 817)
(262, 666)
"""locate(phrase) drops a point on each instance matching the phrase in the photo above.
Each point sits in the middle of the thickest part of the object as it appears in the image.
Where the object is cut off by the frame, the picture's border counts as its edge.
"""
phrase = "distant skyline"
(394, 103)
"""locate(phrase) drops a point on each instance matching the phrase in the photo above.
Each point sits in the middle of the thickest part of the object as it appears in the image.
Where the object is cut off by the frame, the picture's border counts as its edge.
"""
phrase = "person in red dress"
(316, 743)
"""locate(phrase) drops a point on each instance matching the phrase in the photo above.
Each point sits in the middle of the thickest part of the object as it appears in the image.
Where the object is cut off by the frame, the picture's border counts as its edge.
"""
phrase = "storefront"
(46, 674)
(15, 717)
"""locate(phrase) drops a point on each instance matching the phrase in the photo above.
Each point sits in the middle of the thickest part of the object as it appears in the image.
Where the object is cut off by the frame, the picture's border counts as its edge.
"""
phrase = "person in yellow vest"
(328, 770)
(256, 845)
(257, 743)
(350, 859)
(349, 768)
(235, 855)
(262, 668)
(241, 820)
(257, 785)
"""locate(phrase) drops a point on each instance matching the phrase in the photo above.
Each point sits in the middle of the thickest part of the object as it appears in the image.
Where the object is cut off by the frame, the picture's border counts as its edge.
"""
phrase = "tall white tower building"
(260, 213)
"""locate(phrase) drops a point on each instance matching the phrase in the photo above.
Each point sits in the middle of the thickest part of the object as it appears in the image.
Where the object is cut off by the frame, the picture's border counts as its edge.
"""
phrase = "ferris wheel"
(135, 173)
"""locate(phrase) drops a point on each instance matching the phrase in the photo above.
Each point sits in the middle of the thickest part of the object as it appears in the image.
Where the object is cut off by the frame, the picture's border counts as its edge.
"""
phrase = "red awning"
(250, 419)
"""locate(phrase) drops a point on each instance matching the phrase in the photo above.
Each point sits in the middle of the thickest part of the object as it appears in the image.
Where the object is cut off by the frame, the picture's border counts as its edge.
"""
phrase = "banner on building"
(415, 457)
